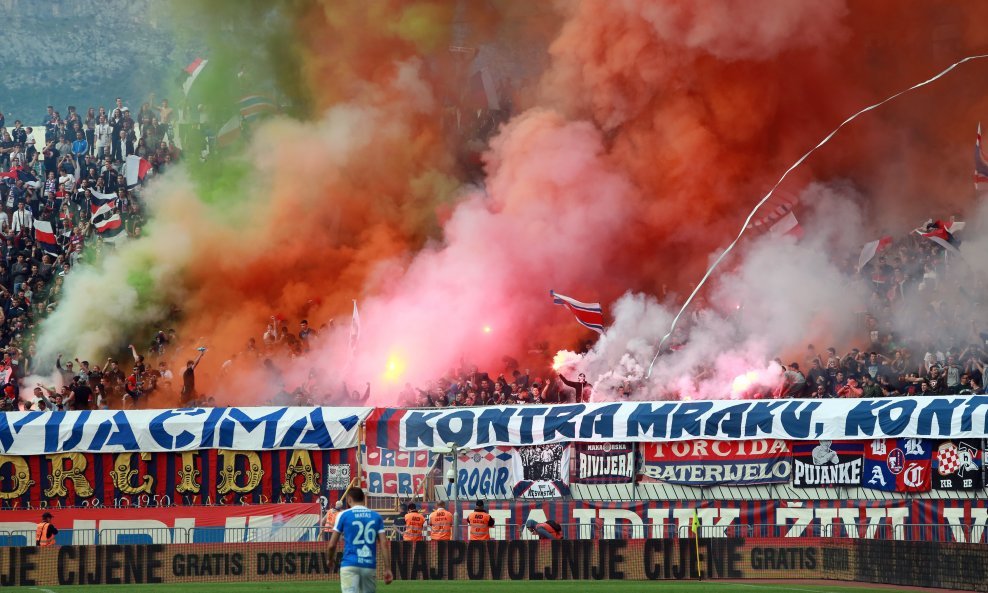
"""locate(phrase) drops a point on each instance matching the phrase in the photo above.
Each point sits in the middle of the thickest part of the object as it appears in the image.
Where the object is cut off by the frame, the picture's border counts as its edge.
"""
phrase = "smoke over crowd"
(631, 157)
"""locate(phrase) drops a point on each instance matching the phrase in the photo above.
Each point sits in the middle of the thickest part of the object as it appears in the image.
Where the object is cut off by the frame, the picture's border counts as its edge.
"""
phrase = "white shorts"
(358, 580)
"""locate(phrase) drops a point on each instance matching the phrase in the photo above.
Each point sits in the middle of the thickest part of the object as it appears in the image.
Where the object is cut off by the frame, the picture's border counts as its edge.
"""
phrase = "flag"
(253, 106)
(589, 315)
(354, 327)
(22, 173)
(942, 233)
(45, 236)
(871, 249)
(229, 133)
(25, 175)
(695, 523)
(483, 89)
(99, 199)
(787, 226)
(137, 169)
(980, 166)
(194, 70)
(107, 221)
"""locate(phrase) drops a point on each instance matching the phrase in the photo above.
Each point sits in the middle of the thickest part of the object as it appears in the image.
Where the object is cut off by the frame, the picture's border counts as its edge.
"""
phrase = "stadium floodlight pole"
(747, 221)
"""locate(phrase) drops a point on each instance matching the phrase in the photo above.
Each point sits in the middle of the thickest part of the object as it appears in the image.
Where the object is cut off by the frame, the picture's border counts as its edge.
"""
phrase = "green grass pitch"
(481, 587)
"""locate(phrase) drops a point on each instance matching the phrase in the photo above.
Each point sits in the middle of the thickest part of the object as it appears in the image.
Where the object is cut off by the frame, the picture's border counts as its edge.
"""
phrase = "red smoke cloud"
(654, 129)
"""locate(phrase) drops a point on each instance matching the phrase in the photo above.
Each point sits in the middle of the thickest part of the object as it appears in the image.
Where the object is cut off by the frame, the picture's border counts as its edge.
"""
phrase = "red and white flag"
(942, 233)
(194, 70)
(137, 169)
(589, 315)
(871, 249)
(980, 163)
(778, 218)
(107, 221)
(354, 327)
(787, 226)
(45, 236)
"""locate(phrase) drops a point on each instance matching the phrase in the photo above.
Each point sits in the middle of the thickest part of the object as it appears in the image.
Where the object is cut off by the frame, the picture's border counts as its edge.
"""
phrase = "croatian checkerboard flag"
(589, 315)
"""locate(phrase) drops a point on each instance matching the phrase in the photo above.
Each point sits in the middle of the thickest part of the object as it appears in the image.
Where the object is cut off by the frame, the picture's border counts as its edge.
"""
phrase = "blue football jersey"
(359, 527)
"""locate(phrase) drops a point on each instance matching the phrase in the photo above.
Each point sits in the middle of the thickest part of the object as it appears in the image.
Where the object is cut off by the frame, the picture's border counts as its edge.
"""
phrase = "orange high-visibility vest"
(441, 522)
(330, 521)
(414, 522)
(552, 530)
(44, 536)
(480, 528)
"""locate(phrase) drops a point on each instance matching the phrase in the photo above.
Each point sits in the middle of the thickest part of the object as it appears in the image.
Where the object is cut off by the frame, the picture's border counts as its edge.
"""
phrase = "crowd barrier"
(931, 564)
(571, 531)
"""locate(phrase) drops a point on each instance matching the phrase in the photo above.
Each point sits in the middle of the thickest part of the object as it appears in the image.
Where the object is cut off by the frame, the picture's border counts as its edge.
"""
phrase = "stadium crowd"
(84, 156)
(53, 172)
(913, 278)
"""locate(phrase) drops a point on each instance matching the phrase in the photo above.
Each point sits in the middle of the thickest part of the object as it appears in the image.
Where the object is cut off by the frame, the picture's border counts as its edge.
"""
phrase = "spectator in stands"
(869, 388)
(580, 387)
(189, 378)
(850, 389)
(80, 147)
(794, 382)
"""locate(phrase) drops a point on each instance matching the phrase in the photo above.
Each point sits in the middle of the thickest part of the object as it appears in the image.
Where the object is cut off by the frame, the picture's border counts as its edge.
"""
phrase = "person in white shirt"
(166, 374)
(42, 401)
(103, 131)
(22, 219)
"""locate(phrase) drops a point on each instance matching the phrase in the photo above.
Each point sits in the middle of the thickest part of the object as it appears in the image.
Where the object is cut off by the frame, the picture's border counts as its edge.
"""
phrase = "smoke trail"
(646, 139)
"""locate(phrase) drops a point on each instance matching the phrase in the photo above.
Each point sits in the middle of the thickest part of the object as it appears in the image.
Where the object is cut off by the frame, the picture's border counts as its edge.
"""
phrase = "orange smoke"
(653, 130)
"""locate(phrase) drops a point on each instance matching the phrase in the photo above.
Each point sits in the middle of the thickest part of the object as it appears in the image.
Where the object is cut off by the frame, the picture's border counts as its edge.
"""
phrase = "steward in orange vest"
(329, 521)
(480, 523)
(441, 524)
(46, 532)
(548, 530)
(414, 524)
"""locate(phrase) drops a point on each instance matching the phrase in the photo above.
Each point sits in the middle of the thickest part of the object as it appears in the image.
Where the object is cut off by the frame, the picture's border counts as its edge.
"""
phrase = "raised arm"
(567, 382)
(195, 363)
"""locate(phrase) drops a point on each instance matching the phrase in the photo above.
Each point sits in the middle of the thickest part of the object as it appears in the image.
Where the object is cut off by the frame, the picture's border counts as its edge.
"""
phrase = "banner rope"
(765, 199)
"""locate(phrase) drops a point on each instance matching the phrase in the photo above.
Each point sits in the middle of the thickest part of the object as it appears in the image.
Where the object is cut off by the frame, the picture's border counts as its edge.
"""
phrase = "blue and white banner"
(964, 416)
(482, 474)
(149, 431)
